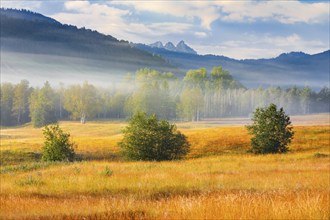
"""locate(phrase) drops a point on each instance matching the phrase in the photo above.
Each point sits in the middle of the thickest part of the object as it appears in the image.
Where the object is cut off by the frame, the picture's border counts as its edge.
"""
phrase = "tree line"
(197, 96)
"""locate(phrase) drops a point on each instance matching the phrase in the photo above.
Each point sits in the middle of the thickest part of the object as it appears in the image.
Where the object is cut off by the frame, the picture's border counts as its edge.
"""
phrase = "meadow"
(219, 179)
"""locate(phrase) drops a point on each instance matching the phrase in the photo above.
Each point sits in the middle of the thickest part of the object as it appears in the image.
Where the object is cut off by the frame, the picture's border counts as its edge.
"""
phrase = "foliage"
(81, 101)
(147, 138)
(153, 94)
(196, 77)
(42, 106)
(191, 104)
(20, 108)
(271, 129)
(198, 96)
(57, 145)
(6, 104)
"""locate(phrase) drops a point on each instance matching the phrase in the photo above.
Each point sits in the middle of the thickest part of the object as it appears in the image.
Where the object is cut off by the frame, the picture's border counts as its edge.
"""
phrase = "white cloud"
(110, 20)
(186, 9)
(92, 15)
(265, 46)
(200, 34)
(28, 5)
(192, 21)
(287, 12)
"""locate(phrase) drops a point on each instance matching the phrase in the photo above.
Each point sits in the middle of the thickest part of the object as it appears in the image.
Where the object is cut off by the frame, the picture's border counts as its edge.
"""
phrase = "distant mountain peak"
(157, 44)
(170, 46)
(292, 55)
(181, 47)
(184, 48)
(181, 43)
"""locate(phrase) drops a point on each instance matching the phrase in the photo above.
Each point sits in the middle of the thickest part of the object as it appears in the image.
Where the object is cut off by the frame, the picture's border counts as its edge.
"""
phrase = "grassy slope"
(219, 180)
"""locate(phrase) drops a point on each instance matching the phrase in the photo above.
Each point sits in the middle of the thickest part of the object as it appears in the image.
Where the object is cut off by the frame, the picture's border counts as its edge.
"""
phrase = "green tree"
(323, 100)
(222, 79)
(57, 145)
(271, 130)
(147, 138)
(81, 101)
(21, 102)
(6, 104)
(117, 105)
(191, 104)
(305, 96)
(196, 78)
(42, 106)
(152, 94)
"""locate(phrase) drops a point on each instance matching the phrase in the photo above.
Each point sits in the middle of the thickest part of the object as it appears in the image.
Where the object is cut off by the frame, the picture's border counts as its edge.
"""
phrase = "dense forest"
(197, 96)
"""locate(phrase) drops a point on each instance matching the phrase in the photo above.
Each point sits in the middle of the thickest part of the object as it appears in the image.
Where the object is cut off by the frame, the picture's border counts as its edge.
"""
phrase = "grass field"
(218, 180)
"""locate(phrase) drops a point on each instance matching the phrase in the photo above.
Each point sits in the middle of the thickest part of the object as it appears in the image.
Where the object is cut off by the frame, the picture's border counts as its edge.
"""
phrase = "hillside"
(39, 48)
(32, 43)
(295, 68)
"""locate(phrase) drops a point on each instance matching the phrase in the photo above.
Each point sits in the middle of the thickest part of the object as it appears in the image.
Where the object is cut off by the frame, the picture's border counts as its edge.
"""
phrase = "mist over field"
(39, 68)
(39, 48)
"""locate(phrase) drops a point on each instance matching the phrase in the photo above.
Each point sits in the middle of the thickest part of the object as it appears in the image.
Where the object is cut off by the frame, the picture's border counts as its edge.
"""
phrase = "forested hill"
(26, 35)
(38, 48)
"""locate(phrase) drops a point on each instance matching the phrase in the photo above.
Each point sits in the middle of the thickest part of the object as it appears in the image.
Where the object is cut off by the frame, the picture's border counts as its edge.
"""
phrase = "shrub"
(57, 145)
(107, 171)
(147, 138)
(271, 130)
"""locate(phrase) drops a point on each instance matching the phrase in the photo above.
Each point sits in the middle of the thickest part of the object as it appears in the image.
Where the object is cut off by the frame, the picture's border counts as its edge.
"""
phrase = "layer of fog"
(38, 68)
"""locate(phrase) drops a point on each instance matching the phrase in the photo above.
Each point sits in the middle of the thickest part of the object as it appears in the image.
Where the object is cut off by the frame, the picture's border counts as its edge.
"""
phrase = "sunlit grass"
(98, 140)
(269, 182)
(218, 180)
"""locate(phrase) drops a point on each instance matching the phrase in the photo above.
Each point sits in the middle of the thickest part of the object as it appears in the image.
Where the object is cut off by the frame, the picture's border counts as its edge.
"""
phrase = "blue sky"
(238, 29)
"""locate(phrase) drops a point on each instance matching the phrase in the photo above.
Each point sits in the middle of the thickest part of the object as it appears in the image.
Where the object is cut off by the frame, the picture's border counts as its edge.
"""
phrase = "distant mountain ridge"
(287, 69)
(181, 47)
(34, 45)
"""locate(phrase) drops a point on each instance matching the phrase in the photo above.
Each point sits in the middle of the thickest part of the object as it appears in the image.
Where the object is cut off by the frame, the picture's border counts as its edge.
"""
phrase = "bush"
(271, 129)
(147, 138)
(107, 171)
(57, 146)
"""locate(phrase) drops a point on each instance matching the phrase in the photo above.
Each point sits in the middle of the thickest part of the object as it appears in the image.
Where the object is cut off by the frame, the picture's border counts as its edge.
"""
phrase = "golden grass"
(238, 204)
(219, 180)
(98, 140)
(232, 187)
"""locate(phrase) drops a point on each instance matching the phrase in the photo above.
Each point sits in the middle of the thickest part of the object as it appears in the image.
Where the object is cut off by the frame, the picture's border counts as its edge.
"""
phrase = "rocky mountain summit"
(181, 47)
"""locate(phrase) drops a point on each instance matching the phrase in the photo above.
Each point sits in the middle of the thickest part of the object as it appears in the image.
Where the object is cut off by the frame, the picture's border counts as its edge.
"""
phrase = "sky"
(237, 29)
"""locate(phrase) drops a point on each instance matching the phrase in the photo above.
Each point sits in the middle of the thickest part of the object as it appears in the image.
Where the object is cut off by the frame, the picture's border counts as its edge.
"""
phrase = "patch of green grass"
(320, 155)
(107, 171)
(11, 157)
(28, 167)
(30, 181)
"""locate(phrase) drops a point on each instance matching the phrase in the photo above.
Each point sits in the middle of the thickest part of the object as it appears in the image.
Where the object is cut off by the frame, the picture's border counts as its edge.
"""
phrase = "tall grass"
(218, 180)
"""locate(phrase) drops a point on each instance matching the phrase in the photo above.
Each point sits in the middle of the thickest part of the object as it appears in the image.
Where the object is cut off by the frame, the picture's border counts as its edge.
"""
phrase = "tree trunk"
(83, 119)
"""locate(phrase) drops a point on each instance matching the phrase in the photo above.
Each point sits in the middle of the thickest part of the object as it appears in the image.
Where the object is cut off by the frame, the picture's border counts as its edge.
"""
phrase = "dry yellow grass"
(240, 204)
(231, 187)
(219, 180)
